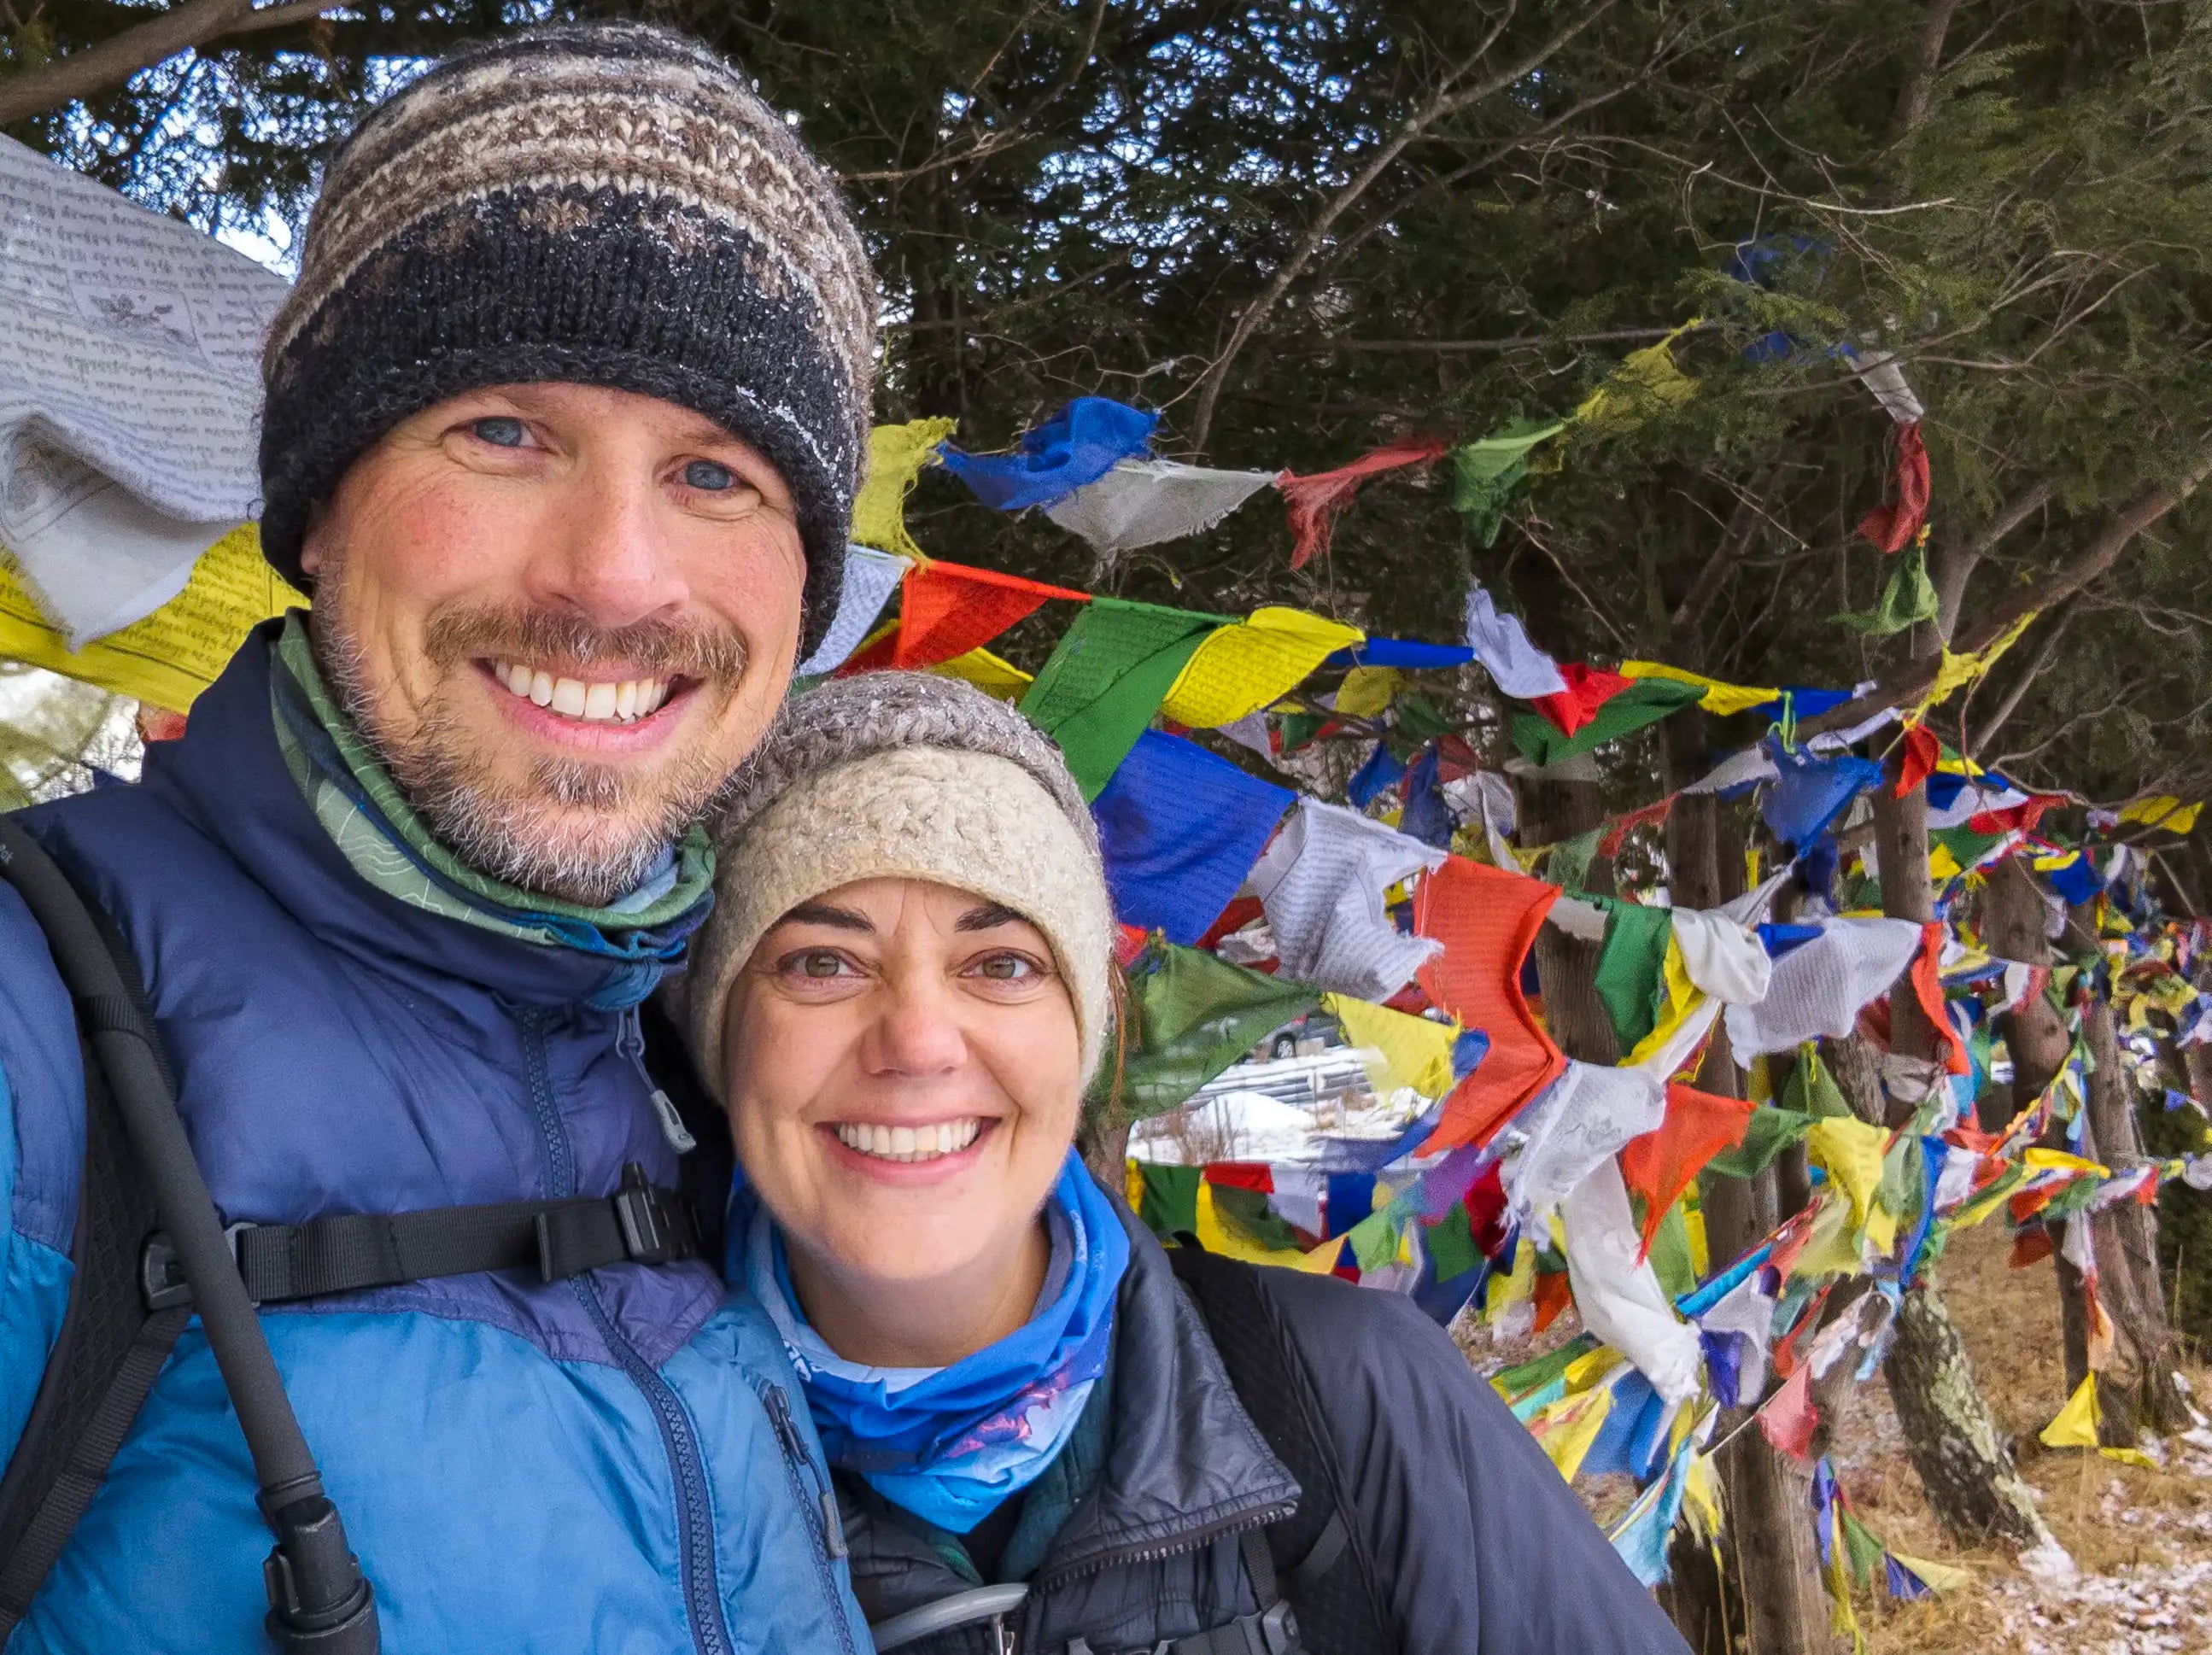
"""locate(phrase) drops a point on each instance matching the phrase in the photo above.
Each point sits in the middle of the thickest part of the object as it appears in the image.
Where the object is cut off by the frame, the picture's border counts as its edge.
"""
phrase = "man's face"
(563, 616)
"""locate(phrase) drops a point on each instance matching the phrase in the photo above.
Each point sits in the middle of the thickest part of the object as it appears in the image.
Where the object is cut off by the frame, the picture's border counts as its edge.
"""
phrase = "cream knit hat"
(904, 775)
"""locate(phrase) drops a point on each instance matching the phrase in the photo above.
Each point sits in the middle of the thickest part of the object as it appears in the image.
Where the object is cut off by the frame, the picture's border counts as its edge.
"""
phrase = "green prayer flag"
(1908, 596)
(1644, 702)
(1191, 1016)
(1246, 1213)
(1299, 728)
(1965, 845)
(1532, 1376)
(2072, 1199)
(1485, 474)
(1767, 1132)
(1864, 1551)
(1171, 1202)
(1419, 721)
(1106, 679)
(1632, 967)
(1450, 1243)
(1569, 867)
(1811, 1089)
(1375, 1239)
(1670, 1254)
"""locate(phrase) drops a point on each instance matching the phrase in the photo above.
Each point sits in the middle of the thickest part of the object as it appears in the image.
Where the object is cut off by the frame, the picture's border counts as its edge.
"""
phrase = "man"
(564, 419)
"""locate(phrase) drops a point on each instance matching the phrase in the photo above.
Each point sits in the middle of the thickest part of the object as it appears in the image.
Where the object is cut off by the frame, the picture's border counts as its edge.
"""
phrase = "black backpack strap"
(1318, 1563)
(640, 1223)
(106, 1356)
(319, 1600)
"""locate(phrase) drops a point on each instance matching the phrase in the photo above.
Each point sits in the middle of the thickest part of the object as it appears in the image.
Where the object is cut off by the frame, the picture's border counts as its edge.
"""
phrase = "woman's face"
(903, 1075)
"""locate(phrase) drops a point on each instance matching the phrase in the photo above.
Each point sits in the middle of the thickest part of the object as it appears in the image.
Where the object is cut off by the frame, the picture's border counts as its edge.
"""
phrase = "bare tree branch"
(1912, 98)
(2101, 553)
(1450, 97)
(115, 60)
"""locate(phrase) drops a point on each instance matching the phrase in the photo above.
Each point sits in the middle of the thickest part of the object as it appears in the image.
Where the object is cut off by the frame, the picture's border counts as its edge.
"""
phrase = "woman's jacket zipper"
(695, 1528)
(812, 1488)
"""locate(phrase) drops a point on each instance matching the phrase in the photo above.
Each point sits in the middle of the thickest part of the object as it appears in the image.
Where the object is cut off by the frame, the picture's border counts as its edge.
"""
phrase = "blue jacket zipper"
(695, 1529)
(805, 1476)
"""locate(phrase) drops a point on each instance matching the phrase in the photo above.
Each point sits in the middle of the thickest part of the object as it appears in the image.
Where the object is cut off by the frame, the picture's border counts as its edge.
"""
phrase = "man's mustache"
(659, 648)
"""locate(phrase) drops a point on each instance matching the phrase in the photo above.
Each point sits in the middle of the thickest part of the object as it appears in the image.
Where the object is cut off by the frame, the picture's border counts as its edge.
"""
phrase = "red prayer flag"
(1892, 526)
(1553, 1293)
(1254, 1175)
(1589, 688)
(1788, 1418)
(1659, 1165)
(1928, 989)
(1486, 918)
(945, 609)
(1315, 502)
(1610, 844)
(1916, 759)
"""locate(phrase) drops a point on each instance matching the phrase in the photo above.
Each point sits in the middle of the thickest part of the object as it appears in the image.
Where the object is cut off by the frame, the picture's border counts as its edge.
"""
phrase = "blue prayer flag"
(1179, 829)
(1077, 446)
(1381, 771)
(1811, 790)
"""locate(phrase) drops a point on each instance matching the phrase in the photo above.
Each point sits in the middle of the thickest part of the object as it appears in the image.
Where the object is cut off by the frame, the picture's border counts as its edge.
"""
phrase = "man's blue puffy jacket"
(621, 1462)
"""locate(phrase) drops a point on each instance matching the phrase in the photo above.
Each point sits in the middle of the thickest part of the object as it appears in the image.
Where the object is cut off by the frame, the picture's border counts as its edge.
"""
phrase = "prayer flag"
(871, 577)
(1632, 967)
(1659, 1166)
(1322, 882)
(1515, 664)
(1249, 664)
(1892, 527)
(1192, 1014)
(1645, 701)
(1486, 918)
(1106, 678)
(1908, 596)
(1315, 502)
(1719, 699)
(897, 454)
(1587, 689)
(1485, 473)
(1142, 502)
(1077, 445)
(948, 609)
(1180, 828)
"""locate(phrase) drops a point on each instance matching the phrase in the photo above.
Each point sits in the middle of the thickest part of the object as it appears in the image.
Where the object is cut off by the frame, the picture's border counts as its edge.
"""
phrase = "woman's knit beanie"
(607, 204)
(905, 775)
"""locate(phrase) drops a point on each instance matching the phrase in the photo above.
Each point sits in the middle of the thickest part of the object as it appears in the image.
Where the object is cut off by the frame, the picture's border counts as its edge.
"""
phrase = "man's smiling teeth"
(601, 703)
(909, 1143)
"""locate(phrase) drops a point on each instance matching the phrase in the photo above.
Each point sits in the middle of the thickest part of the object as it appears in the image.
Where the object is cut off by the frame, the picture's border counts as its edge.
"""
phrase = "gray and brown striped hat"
(607, 204)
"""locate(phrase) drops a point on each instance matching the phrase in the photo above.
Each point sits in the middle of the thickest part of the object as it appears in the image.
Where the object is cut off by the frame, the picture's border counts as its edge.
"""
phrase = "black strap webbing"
(640, 1223)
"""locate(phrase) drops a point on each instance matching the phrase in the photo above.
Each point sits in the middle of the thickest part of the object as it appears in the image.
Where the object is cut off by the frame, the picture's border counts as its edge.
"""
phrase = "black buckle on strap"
(161, 1281)
(656, 1225)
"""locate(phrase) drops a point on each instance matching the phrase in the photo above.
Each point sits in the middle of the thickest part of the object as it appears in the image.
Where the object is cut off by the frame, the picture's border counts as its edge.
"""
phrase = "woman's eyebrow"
(821, 913)
(985, 917)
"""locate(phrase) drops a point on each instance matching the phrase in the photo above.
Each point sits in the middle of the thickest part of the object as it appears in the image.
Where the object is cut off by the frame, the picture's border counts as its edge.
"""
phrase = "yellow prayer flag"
(2039, 1158)
(1831, 1249)
(1645, 378)
(994, 676)
(1567, 1437)
(1942, 866)
(897, 454)
(1720, 698)
(1701, 1499)
(1849, 1150)
(1683, 997)
(167, 659)
(1242, 668)
(1938, 1577)
(1591, 1368)
(1517, 1286)
(1414, 1051)
(2077, 1424)
(1367, 690)
(1133, 1183)
(1957, 671)
(2164, 811)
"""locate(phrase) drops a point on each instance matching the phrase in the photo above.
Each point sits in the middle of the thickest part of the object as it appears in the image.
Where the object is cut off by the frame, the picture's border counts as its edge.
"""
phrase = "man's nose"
(603, 556)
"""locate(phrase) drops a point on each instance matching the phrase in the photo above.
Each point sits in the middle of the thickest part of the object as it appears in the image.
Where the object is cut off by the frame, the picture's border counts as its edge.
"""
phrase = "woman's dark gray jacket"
(1478, 1546)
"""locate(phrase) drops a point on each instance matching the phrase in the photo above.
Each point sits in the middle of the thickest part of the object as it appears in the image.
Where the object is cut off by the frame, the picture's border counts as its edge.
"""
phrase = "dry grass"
(2141, 1540)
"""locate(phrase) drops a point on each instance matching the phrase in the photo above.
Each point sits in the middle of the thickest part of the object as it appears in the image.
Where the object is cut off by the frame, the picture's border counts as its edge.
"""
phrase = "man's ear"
(311, 540)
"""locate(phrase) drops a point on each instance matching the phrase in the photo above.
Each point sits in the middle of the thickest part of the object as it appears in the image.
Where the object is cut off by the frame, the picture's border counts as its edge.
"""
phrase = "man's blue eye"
(499, 431)
(705, 474)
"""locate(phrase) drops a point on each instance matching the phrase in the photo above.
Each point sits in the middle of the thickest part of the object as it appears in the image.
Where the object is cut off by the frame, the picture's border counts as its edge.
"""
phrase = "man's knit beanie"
(608, 204)
(905, 775)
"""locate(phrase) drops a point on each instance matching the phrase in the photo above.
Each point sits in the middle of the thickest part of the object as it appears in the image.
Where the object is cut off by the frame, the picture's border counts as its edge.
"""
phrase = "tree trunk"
(2184, 1215)
(2127, 1240)
(1766, 1596)
(1567, 966)
(2013, 913)
(1964, 1467)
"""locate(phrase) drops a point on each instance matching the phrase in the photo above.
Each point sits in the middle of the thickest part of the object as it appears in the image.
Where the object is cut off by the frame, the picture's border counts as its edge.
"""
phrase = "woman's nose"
(917, 1031)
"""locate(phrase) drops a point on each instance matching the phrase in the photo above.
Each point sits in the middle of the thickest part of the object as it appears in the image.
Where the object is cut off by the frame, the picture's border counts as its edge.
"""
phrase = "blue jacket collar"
(226, 776)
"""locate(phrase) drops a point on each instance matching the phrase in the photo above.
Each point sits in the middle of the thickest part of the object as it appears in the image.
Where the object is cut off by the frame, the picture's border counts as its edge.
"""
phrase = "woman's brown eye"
(1007, 968)
(821, 962)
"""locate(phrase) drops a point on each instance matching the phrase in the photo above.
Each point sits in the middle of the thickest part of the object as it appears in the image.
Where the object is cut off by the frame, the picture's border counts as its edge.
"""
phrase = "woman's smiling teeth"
(909, 1143)
(601, 703)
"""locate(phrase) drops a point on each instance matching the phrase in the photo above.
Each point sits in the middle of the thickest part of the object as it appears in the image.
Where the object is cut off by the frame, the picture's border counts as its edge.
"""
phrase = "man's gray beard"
(516, 836)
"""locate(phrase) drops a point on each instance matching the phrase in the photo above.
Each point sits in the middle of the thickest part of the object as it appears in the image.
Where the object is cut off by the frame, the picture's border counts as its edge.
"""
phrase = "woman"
(902, 999)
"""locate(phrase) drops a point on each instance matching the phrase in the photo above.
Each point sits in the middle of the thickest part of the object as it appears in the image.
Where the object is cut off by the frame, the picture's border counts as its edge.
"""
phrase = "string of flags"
(1527, 1181)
